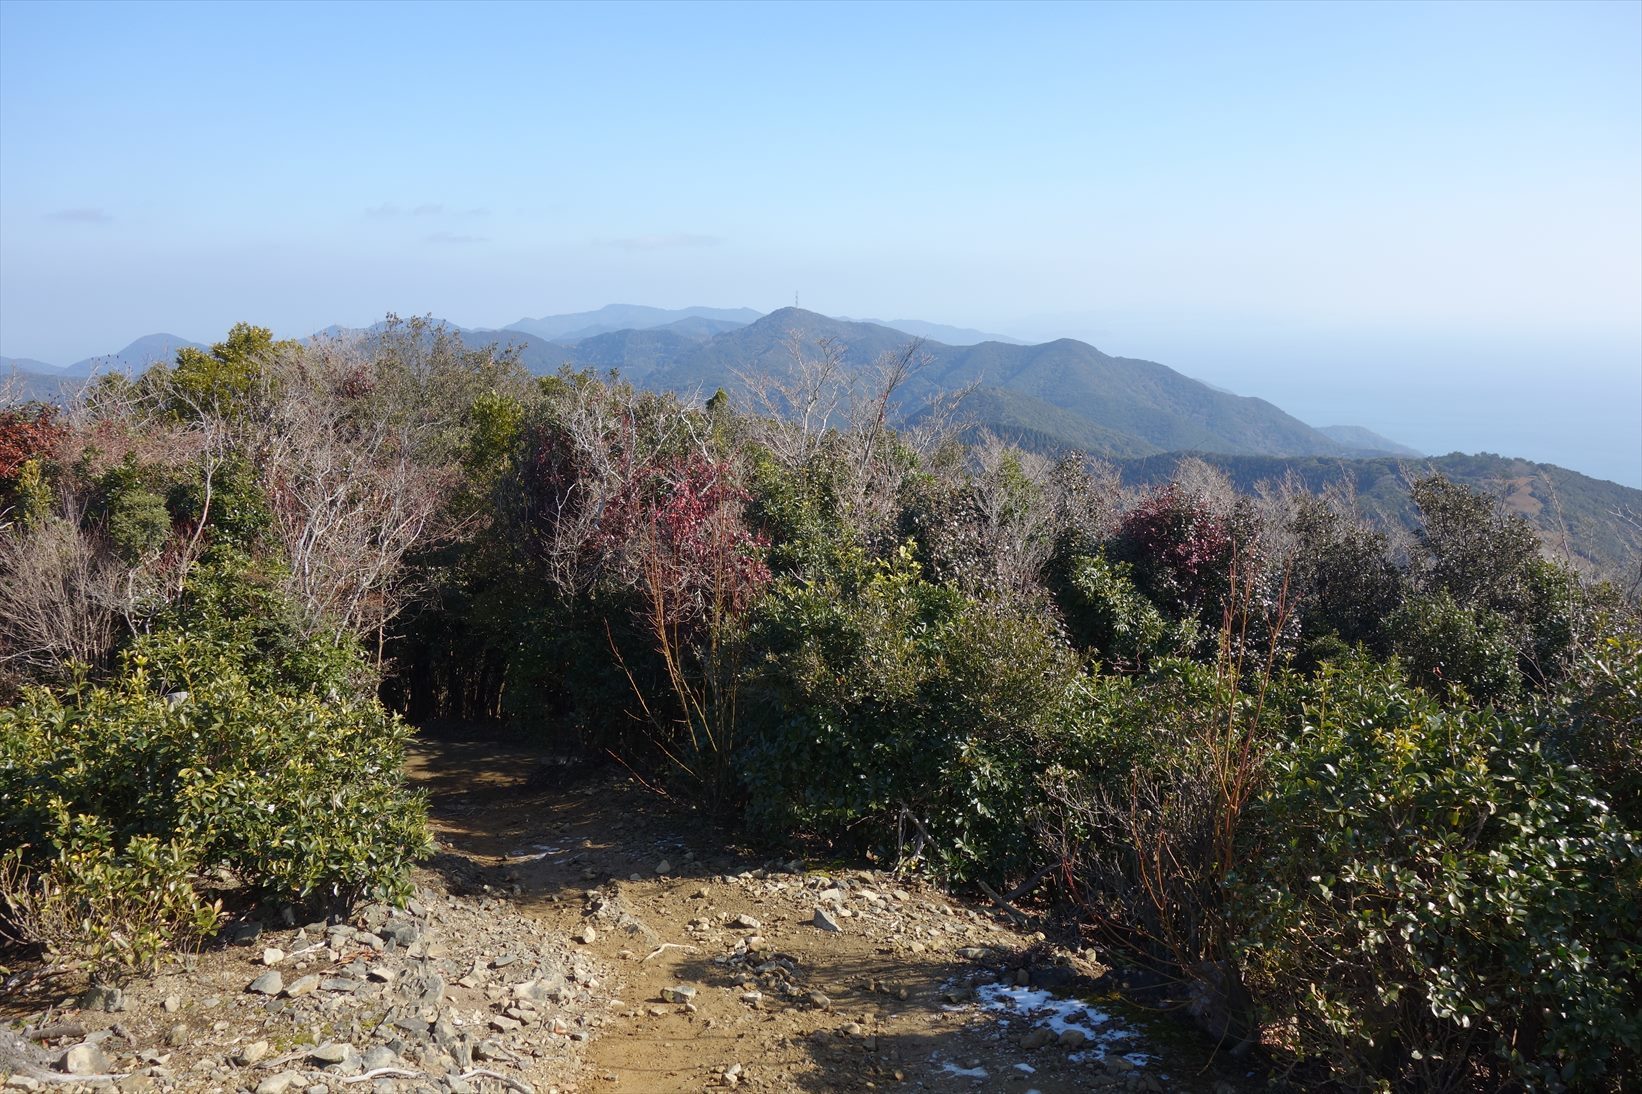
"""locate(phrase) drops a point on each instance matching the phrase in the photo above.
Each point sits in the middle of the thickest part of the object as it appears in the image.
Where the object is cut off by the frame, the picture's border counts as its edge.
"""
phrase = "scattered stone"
(340, 984)
(732, 1074)
(252, 1053)
(664, 867)
(105, 997)
(677, 994)
(818, 1001)
(272, 956)
(1073, 1039)
(303, 985)
(243, 934)
(171, 1005)
(85, 1059)
(402, 931)
(379, 1056)
(269, 983)
(177, 1035)
(279, 1084)
(587, 935)
(1037, 1038)
(824, 920)
(331, 1052)
(503, 1024)
(552, 988)
(746, 923)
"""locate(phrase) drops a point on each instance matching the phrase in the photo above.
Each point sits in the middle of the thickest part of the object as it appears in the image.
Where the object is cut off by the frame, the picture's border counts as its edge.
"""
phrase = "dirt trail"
(914, 990)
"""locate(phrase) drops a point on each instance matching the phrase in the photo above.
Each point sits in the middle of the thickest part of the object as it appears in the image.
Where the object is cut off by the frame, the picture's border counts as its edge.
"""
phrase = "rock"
(824, 920)
(1037, 1037)
(85, 1059)
(818, 1001)
(402, 931)
(379, 1056)
(269, 983)
(279, 1084)
(587, 935)
(272, 956)
(732, 1074)
(331, 1052)
(552, 988)
(171, 1005)
(243, 934)
(746, 923)
(664, 867)
(339, 984)
(23, 1082)
(104, 997)
(252, 1053)
(177, 1035)
(677, 994)
(503, 1024)
(1073, 1039)
(303, 985)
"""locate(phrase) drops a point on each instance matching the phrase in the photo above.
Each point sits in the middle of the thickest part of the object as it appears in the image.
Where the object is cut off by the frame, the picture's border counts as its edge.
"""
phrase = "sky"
(1421, 218)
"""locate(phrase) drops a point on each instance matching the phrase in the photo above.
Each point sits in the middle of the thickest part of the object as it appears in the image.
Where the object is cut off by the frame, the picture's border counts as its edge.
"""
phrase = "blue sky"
(1424, 218)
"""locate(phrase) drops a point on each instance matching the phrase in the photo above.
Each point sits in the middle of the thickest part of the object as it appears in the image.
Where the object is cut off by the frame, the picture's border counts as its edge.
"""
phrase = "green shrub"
(226, 741)
(132, 512)
(1428, 893)
(111, 909)
(1595, 719)
(879, 692)
(1448, 646)
(1107, 615)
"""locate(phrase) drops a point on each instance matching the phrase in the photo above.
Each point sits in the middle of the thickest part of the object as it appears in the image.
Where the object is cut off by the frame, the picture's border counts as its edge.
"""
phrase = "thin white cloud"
(664, 241)
(81, 216)
(390, 210)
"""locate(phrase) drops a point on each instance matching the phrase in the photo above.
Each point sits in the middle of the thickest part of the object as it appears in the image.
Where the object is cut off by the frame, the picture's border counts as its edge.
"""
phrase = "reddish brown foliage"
(27, 433)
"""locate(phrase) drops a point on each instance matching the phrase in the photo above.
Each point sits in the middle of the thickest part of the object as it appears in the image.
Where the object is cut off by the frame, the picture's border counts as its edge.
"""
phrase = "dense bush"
(1428, 892)
(1107, 615)
(1454, 650)
(224, 741)
(884, 702)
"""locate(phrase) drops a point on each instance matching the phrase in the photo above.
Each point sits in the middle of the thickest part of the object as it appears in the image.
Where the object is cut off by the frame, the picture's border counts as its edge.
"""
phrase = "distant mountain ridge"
(1063, 393)
(614, 317)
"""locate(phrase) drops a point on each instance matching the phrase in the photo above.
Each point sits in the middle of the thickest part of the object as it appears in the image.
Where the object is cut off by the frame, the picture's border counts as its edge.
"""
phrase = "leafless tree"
(62, 596)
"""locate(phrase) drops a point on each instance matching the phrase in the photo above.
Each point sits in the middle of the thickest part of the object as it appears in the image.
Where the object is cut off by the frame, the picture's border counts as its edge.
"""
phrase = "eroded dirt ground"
(720, 975)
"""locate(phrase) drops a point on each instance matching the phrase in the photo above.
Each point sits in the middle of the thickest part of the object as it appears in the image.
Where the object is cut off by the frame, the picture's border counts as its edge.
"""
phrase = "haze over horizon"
(1423, 218)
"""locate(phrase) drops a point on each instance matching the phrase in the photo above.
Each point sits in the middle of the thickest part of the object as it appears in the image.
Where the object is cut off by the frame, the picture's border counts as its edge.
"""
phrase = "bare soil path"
(720, 975)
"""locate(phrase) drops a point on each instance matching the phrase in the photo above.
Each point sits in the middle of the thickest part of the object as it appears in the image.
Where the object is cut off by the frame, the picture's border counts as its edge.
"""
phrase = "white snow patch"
(1028, 1068)
(1059, 1015)
(966, 1072)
